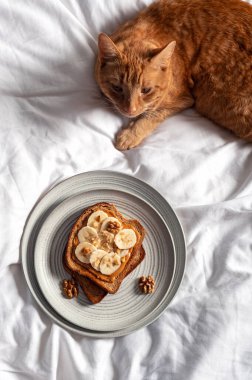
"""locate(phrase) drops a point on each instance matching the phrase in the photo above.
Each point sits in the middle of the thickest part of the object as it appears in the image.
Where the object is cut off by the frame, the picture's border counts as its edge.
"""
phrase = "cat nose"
(131, 110)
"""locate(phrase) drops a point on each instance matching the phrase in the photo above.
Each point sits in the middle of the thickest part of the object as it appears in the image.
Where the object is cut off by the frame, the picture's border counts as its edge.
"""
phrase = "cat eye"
(116, 88)
(146, 90)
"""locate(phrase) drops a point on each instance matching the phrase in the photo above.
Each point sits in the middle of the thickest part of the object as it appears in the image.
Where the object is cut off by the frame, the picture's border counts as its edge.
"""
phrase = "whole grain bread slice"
(109, 284)
(93, 292)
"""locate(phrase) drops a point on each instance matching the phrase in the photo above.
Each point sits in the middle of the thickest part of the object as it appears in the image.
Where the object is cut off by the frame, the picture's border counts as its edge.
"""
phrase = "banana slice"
(125, 238)
(110, 263)
(83, 251)
(96, 219)
(88, 234)
(111, 224)
(123, 253)
(95, 258)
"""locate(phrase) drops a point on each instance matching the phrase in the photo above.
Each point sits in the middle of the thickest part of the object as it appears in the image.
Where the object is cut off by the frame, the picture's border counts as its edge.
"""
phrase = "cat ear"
(161, 59)
(107, 49)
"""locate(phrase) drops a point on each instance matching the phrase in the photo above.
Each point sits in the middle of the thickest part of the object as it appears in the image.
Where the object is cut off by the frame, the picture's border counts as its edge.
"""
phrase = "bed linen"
(54, 124)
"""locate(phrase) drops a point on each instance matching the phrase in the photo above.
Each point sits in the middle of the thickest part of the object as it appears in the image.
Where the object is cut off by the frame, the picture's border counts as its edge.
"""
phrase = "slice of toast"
(109, 283)
(93, 292)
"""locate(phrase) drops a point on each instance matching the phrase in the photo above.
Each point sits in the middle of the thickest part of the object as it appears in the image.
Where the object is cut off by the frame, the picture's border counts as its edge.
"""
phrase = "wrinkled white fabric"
(54, 124)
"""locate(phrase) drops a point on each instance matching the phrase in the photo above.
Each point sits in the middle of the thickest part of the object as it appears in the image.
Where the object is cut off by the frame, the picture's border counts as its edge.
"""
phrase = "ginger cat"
(176, 54)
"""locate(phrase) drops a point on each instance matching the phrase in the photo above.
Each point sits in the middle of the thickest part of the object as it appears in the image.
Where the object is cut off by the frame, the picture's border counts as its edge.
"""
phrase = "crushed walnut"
(97, 221)
(70, 288)
(146, 284)
(86, 251)
(94, 240)
(113, 227)
(106, 240)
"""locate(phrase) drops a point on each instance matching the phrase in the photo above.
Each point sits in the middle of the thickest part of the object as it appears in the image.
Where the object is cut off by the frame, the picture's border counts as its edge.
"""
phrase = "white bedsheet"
(54, 124)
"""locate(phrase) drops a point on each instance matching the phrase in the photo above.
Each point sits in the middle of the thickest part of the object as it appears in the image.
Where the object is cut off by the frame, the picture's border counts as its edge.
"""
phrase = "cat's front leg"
(140, 128)
(135, 132)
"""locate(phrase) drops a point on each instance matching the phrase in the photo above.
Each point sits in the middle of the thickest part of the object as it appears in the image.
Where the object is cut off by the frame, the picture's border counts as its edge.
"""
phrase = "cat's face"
(133, 83)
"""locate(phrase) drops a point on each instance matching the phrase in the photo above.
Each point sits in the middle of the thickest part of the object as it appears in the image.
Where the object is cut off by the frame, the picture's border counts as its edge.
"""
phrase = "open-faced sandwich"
(102, 249)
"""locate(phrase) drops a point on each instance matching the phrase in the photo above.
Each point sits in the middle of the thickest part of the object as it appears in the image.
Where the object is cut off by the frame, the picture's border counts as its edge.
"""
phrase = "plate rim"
(25, 235)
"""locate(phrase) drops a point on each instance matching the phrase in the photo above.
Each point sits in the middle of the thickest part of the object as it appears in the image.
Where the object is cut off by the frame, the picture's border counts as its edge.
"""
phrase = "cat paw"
(126, 139)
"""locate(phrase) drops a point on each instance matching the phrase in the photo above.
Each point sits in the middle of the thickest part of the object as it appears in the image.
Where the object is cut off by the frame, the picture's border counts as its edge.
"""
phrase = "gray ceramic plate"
(46, 233)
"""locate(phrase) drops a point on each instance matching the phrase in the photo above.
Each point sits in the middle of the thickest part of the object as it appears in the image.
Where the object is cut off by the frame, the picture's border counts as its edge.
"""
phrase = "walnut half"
(146, 284)
(70, 288)
(113, 227)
